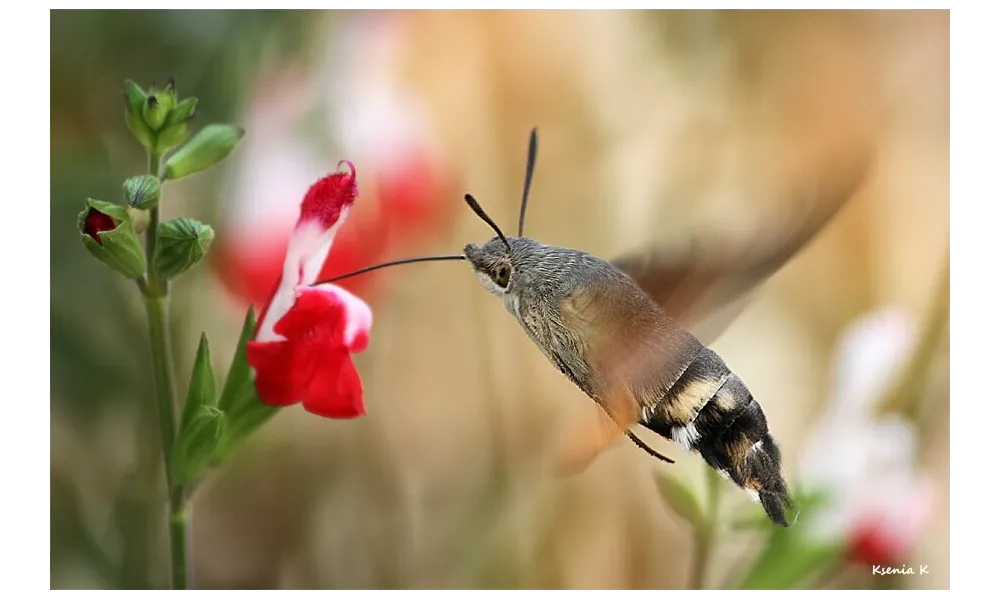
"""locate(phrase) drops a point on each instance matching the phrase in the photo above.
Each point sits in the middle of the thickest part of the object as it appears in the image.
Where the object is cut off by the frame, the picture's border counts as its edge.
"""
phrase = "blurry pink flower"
(302, 348)
(366, 111)
(879, 504)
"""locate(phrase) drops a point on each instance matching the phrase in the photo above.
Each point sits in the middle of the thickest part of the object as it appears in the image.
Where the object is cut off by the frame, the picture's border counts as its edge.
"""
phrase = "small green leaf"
(246, 412)
(106, 231)
(681, 499)
(142, 191)
(206, 149)
(180, 244)
(197, 441)
(201, 388)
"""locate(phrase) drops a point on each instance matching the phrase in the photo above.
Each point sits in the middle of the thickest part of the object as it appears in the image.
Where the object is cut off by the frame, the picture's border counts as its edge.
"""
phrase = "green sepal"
(207, 148)
(142, 191)
(141, 131)
(246, 412)
(172, 135)
(135, 96)
(680, 497)
(120, 248)
(196, 442)
(180, 244)
(183, 112)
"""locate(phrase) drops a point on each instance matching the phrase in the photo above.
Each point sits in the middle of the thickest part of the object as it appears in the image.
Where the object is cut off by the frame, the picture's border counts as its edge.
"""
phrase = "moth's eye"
(502, 276)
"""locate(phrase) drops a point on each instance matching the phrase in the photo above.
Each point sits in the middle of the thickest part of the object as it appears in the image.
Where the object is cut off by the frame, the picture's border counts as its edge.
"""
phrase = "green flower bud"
(142, 191)
(207, 148)
(180, 244)
(197, 441)
(183, 112)
(158, 105)
(106, 231)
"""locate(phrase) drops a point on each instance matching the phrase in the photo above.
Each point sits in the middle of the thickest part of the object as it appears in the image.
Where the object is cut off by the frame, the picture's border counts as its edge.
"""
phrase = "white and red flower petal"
(302, 349)
(324, 210)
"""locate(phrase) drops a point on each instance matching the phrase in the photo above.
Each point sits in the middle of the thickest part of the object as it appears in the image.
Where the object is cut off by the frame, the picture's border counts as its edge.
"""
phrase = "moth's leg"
(589, 437)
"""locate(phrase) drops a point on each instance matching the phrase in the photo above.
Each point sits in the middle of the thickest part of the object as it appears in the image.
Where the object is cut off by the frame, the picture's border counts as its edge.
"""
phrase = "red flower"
(301, 350)
(96, 222)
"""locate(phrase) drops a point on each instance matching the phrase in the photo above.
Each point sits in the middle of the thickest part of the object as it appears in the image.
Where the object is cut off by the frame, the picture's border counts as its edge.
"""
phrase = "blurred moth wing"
(705, 283)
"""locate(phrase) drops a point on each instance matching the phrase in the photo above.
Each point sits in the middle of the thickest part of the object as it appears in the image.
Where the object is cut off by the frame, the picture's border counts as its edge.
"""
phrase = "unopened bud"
(158, 105)
(106, 231)
(180, 244)
(142, 191)
(207, 148)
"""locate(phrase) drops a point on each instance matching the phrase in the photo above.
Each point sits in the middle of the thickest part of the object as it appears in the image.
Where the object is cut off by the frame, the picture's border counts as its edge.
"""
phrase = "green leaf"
(201, 388)
(197, 441)
(681, 499)
(791, 555)
(116, 243)
(180, 244)
(206, 149)
(246, 412)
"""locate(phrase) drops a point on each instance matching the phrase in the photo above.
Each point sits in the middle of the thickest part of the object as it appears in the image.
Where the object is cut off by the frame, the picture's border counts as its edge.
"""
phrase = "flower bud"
(142, 191)
(156, 108)
(207, 148)
(106, 231)
(175, 128)
(180, 244)
(197, 441)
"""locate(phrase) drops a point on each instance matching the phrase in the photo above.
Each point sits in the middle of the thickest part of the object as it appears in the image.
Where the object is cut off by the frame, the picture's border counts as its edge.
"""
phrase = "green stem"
(705, 535)
(158, 314)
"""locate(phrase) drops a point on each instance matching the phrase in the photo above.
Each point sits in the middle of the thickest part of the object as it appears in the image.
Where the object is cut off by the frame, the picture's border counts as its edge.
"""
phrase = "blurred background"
(653, 126)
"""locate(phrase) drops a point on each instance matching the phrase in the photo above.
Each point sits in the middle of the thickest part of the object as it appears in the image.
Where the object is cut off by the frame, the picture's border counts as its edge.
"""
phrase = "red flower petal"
(327, 198)
(335, 390)
(312, 363)
(96, 222)
(276, 366)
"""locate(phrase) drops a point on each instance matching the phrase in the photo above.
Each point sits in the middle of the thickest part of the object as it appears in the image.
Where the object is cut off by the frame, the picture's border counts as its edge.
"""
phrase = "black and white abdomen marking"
(709, 410)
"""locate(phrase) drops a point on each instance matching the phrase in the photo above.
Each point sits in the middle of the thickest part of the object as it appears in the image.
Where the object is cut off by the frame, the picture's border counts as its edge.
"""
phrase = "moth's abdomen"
(709, 410)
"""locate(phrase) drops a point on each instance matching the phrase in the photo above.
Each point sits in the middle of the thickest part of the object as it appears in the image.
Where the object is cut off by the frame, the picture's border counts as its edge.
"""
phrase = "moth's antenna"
(391, 263)
(482, 215)
(528, 172)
